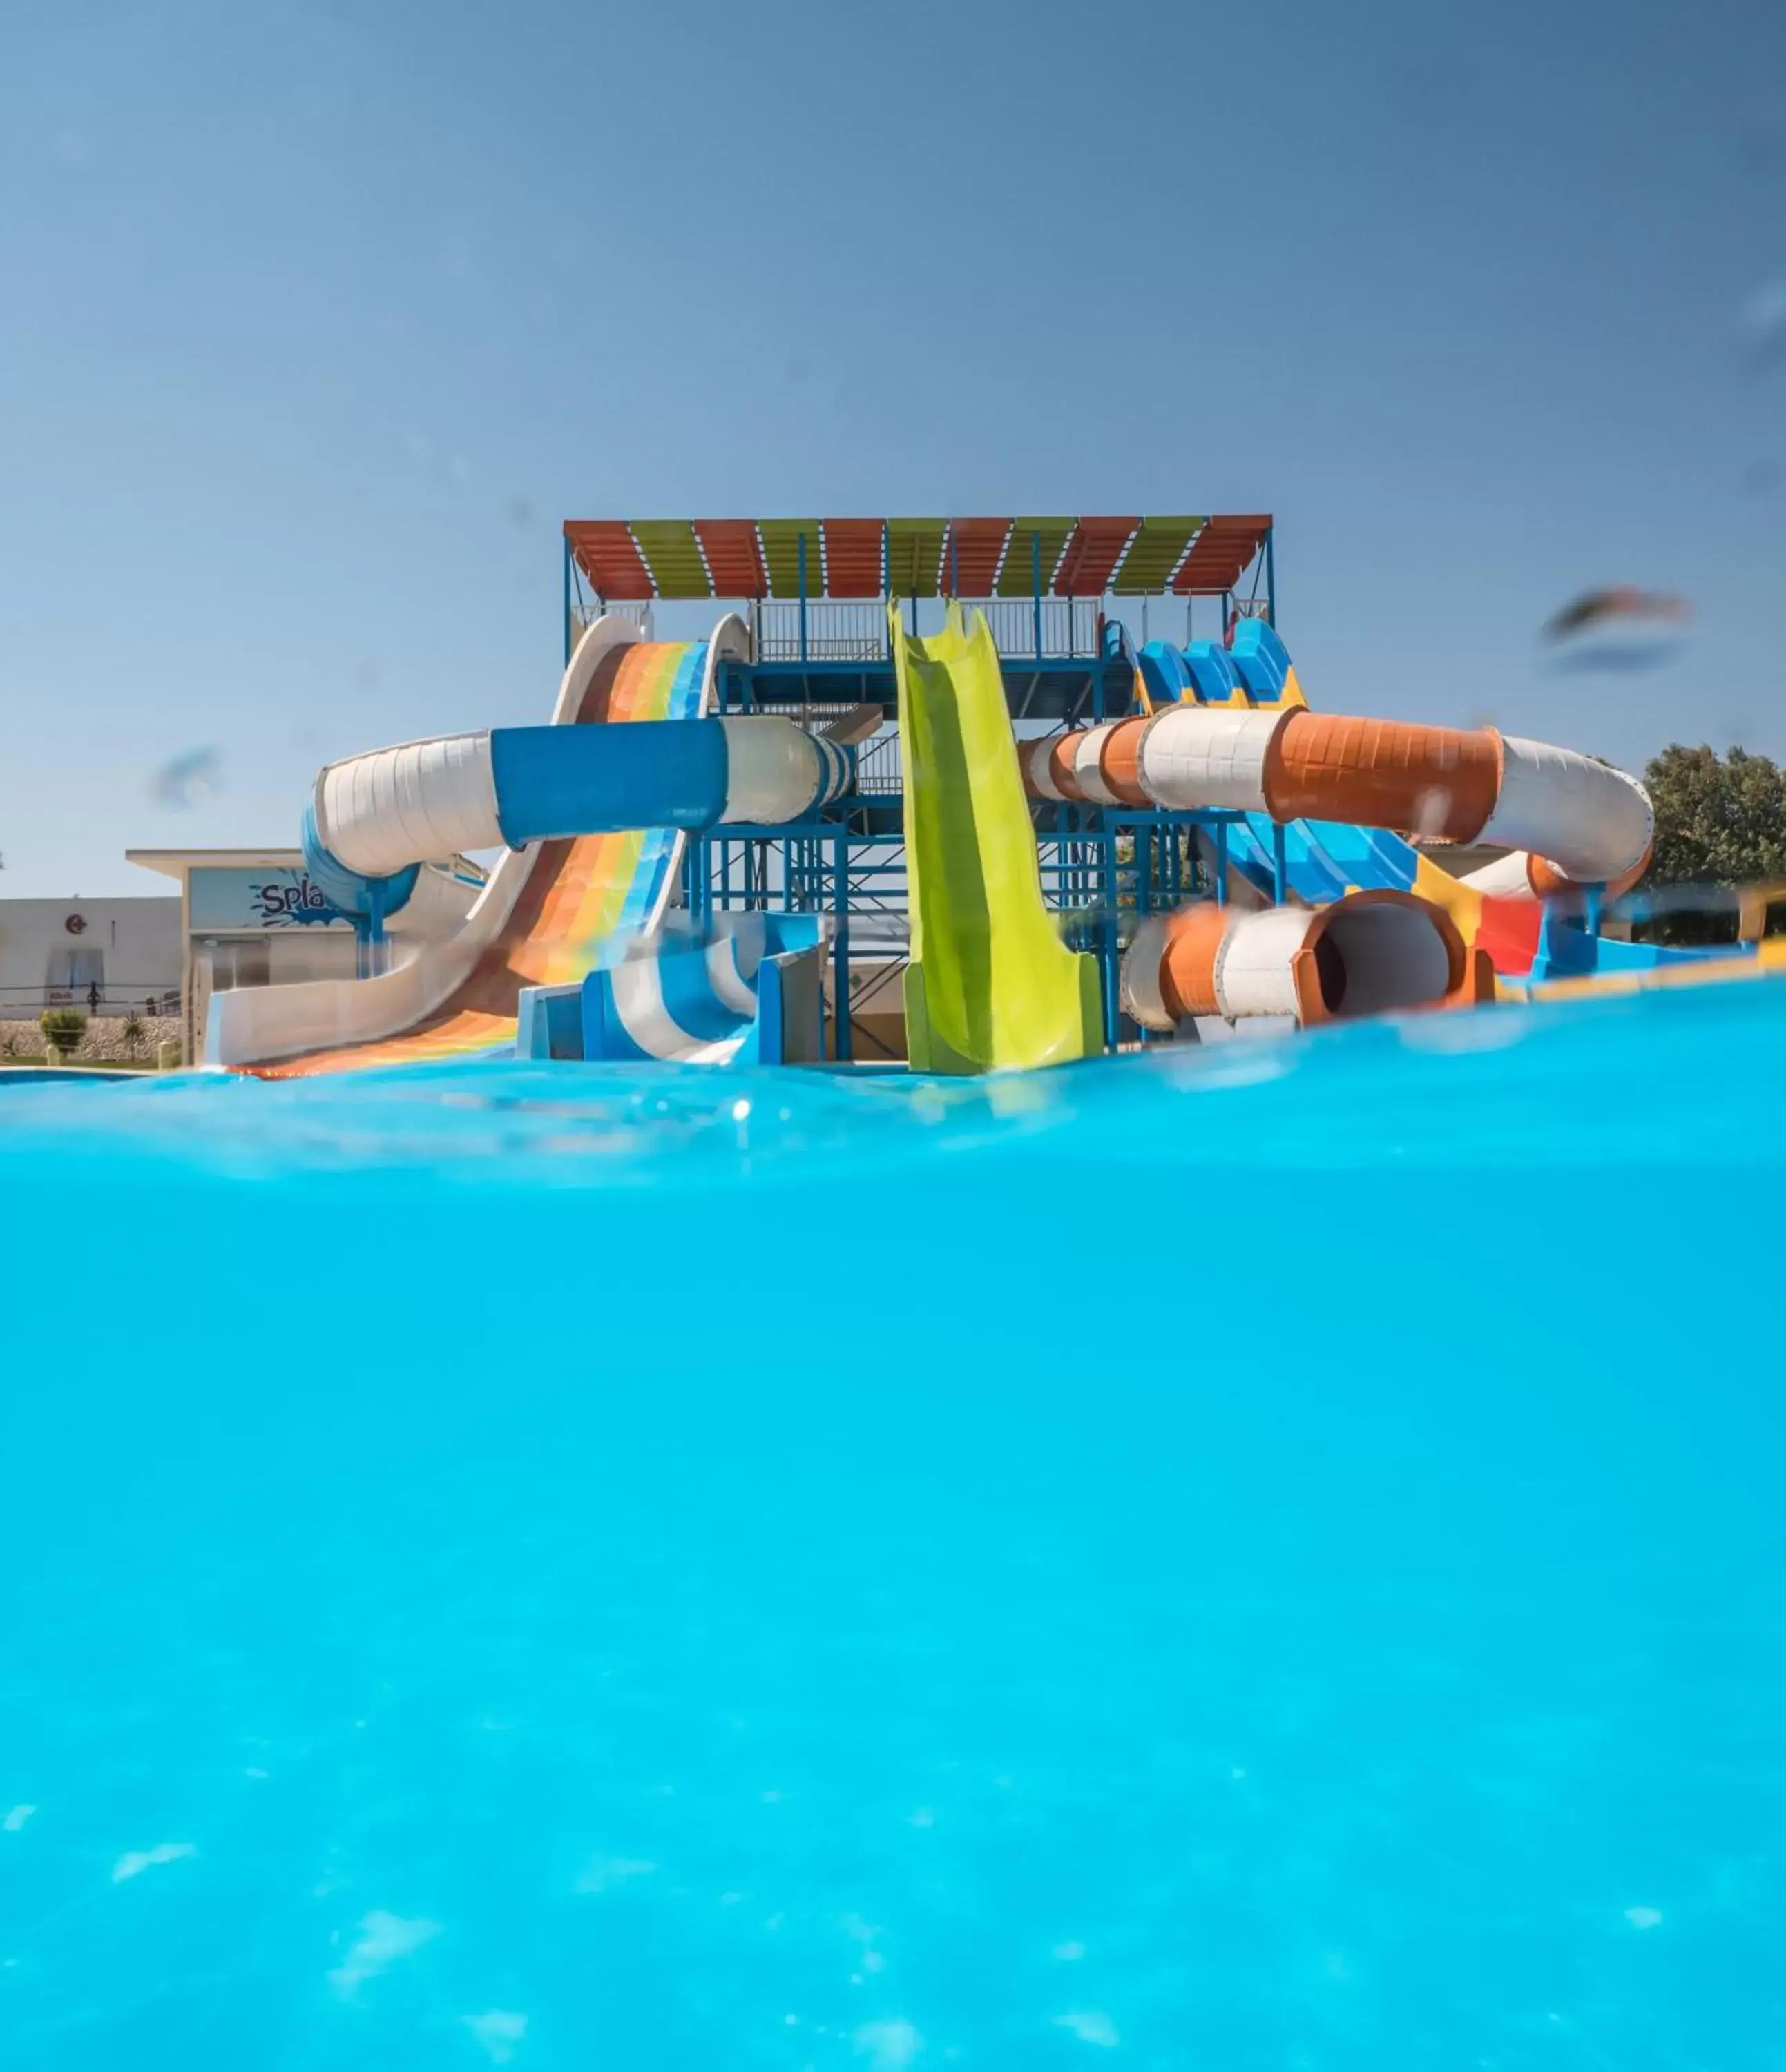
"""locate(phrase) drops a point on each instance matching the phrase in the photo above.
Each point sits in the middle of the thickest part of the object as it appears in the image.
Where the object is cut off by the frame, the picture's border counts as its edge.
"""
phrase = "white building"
(109, 956)
(254, 917)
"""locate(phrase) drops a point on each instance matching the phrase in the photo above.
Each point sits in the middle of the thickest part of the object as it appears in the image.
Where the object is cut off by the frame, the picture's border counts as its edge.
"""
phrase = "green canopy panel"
(1016, 578)
(1155, 553)
(673, 555)
(781, 542)
(914, 557)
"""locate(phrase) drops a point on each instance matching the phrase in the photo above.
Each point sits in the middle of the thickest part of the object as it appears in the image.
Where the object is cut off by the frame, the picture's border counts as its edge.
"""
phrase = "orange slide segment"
(1439, 781)
(1569, 819)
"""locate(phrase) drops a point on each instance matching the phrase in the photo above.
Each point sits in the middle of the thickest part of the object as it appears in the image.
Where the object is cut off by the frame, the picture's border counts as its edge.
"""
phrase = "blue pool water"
(1267, 1558)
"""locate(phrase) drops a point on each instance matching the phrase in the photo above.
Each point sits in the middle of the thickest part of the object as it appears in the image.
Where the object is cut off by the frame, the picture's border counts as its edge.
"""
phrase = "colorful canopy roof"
(630, 560)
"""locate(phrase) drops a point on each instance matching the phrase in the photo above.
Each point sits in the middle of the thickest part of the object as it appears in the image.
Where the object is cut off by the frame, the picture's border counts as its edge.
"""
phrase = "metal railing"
(20, 1003)
(833, 633)
(880, 771)
(640, 614)
(1069, 624)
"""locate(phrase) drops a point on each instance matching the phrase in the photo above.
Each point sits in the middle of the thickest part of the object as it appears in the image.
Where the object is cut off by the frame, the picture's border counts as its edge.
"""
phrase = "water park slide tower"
(853, 743)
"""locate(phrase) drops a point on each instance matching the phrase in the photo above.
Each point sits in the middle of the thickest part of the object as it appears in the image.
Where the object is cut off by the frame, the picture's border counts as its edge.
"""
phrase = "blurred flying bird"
(188, 779)
(1764, 327)
(1623, 602)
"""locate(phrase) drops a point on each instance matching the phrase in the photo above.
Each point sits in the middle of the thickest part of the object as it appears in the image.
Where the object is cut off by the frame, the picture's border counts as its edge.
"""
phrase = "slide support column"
(841, 1046)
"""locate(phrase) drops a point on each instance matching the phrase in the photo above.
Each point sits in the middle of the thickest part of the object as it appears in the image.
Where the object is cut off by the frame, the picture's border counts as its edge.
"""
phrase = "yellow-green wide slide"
(990, 987)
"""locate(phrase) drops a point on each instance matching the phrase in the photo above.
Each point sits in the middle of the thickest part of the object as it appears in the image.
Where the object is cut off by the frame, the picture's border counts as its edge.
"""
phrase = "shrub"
(132, 1033)
(63, 1028)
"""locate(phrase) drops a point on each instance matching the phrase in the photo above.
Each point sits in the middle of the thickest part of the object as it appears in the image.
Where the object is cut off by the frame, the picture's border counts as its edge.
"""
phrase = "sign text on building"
(239, 901)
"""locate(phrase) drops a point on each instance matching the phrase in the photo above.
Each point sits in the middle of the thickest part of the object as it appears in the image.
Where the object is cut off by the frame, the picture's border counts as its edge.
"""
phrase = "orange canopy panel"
(976, 546)
(606, 553)
(852, 556)
(1221, 551)
(734, 559)
(1097, 545)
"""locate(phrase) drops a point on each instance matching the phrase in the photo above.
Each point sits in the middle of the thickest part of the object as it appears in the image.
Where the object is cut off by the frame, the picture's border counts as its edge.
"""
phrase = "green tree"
(62, 1029)
(1719, 821)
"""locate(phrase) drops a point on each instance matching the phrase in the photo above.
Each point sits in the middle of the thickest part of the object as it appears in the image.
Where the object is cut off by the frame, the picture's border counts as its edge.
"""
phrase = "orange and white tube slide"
(1369, 953)
(1574, 820)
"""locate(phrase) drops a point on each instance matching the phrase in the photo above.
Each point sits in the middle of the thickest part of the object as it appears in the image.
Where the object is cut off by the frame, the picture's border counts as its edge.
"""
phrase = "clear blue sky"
(315, 319)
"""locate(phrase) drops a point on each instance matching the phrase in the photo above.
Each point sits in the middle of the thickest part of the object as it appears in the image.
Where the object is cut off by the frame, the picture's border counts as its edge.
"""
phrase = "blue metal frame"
(847, 860)
(834, 862)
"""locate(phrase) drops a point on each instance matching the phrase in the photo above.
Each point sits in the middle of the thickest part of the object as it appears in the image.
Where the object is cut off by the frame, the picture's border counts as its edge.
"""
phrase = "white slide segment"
(769, 770)
(1216, 756)
(440, 903)
(1591, 822)
(261, 1024)
(1255, 973)
(377, 813)
(1087, 773)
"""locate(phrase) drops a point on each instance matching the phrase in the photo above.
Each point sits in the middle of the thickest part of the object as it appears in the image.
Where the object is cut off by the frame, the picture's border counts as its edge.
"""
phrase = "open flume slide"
(743, 989)
(990, 985)
(593, 811)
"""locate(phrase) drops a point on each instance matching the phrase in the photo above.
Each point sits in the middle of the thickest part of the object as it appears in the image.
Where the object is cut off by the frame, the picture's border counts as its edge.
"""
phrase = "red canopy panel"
(852, 556)
(970, 559)
(1092, 553)
(734, 559)
(1218, 554)
(606, 555)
